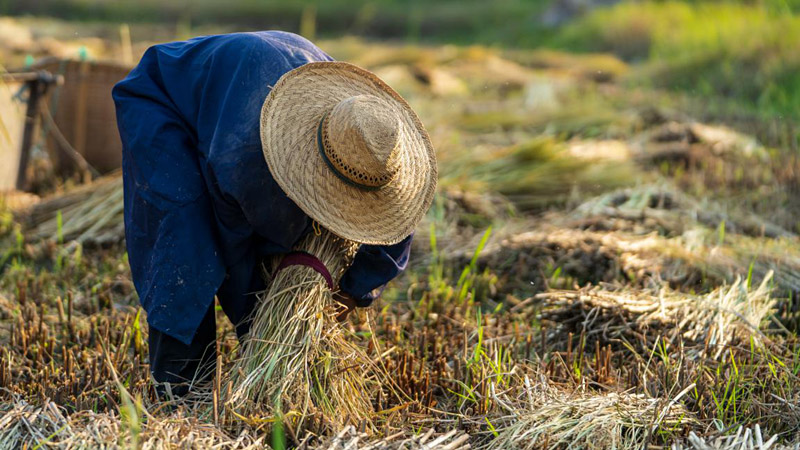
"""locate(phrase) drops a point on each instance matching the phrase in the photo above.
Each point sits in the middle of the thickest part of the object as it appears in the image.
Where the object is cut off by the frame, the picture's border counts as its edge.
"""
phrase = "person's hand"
(347, 304)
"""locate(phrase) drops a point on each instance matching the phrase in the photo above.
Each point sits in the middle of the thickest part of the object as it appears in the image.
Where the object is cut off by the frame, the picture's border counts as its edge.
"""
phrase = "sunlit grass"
(739, 51)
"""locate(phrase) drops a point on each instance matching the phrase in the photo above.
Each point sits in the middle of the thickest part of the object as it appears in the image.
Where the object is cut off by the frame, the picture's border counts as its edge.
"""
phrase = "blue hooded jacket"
(201, 207)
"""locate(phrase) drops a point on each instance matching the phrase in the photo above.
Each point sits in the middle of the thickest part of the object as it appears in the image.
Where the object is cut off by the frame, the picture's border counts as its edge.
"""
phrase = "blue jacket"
(201, 207)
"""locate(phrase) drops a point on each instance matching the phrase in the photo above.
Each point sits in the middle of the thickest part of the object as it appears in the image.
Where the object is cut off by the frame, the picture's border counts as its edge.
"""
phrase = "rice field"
(600, 269)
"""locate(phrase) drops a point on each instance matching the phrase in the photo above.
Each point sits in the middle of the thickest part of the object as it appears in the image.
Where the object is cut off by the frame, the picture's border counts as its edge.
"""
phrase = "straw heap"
(709, 320)
(549, 418)
(89, 214)
(296, 360)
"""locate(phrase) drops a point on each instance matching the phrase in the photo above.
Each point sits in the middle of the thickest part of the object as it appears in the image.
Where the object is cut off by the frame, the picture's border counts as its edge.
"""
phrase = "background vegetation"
(612, 255)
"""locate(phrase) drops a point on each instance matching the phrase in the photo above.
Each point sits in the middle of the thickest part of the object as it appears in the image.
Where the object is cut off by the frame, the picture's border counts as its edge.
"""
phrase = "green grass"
(736, 51)
(742, 52)
(445, 20)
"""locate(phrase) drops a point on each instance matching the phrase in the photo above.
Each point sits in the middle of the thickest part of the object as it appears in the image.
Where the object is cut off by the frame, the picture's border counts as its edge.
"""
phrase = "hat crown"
(360, 139)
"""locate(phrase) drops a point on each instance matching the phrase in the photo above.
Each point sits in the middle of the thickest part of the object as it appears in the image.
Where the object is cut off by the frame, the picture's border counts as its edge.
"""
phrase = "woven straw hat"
(349, 151)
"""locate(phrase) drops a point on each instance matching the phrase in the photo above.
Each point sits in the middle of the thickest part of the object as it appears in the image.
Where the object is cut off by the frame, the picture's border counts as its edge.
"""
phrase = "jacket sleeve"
(372, 268)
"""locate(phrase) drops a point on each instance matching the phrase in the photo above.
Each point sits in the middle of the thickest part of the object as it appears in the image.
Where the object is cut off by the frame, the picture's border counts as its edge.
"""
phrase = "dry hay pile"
(717, 242)
(296, 360)
(89, 214)
(781, 256)
(698, 259)
(17, 200)
(709, 321)
(23, 425)
(744, 438)
(528, 260)
(550, 418)
(695, 144)
(350, 439)
(535, 174)
(665, 209)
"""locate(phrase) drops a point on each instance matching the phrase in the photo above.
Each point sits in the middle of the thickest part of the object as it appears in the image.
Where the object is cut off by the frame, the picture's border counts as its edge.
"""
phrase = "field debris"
(710, 320)
(90, 214)
(24, 425)
(553, 419)
(693, 141)
(745, 437)
(667, 210)
(350, 438)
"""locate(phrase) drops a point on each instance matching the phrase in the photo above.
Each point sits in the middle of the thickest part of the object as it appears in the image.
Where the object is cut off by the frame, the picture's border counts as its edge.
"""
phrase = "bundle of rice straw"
(25, 425)
(745, 437)
(89, 214)
(549, 418)
(296, 360)
(350, 439)
(710, 320)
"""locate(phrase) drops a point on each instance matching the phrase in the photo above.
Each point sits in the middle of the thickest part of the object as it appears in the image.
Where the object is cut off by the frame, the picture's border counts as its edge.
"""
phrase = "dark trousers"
(183, 367)
(178, 368)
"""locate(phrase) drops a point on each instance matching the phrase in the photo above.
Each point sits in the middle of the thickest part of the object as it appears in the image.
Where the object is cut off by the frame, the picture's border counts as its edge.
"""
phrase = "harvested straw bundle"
(668, 210)
(350, 438)
(749, 438)
(296, 360)
(89, 214)
(709, 320)
(25, 425)
(548, 418)
(17, 200)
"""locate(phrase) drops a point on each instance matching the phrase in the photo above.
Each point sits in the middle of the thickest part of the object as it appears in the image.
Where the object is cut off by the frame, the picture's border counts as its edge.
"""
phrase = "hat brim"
(289, 119)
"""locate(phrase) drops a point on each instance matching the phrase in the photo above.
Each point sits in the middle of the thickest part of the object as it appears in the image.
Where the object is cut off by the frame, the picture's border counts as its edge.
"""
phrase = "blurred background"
(742, 50)
(502, 81)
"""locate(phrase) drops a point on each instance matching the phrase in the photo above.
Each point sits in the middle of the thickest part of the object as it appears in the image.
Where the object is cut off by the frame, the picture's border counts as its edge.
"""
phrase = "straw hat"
(349, 151)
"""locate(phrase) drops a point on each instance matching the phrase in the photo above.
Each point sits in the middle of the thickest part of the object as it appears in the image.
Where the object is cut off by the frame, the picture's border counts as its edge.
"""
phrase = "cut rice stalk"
(711, 319)
(552, 419)
(90, 214)
(296, 360)
(350, 438)
(50, 426)
(749, 438)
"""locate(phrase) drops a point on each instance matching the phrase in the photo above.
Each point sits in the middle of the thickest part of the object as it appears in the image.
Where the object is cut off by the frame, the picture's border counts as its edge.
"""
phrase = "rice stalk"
(23, 425)
(296, 360)
(536, 174)
(549, 418)
(711, 319)
(665, 208)
(350, 438)
(750, 438)
(89, 214)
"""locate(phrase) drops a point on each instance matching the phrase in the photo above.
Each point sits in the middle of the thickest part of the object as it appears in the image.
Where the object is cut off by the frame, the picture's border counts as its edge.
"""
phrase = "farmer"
(234, 148)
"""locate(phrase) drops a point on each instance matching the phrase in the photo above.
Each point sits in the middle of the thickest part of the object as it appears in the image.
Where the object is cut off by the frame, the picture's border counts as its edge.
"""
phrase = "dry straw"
(89, 214)
(49, 426)
(750, 438)
(23, 425)
(549, 418)
(296, 361)
(349, 438)
(711, 319)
